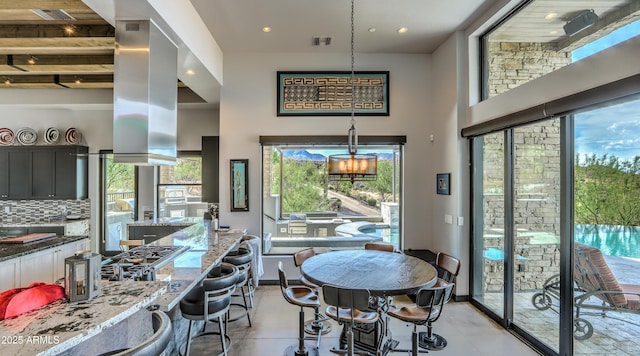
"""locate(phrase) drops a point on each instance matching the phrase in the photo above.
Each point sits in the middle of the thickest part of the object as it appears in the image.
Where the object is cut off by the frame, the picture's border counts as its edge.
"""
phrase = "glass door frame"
(565, 342)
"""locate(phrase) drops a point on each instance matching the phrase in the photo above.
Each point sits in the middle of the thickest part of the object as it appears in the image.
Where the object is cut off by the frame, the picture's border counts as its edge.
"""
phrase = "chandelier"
(353, 166)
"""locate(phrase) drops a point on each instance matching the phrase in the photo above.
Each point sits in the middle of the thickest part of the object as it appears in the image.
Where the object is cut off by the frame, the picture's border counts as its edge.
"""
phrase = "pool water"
(611, 240)
(388, 234)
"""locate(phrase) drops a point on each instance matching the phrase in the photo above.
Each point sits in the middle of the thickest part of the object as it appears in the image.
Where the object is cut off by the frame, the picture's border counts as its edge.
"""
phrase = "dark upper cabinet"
(44, 172)
(210, 169)
(18, 175)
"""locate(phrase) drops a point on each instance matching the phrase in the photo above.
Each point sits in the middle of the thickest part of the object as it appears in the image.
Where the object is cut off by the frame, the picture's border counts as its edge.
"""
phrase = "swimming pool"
(612, 240)
(388, 234)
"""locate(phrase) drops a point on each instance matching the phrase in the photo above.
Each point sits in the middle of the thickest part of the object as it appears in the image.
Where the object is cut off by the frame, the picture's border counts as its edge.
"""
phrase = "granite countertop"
(59, 326)
(10, 251)
(167, 222)
(51, 223)
(207, 247)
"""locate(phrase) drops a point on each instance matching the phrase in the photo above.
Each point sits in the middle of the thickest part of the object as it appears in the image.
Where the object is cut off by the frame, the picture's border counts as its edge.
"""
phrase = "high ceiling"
(37, 52)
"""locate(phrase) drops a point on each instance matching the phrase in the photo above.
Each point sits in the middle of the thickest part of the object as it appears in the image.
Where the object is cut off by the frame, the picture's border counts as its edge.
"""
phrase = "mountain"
(304, 155)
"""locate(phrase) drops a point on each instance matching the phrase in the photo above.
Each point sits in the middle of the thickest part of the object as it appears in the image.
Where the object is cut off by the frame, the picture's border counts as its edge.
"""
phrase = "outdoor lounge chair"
(596, 288)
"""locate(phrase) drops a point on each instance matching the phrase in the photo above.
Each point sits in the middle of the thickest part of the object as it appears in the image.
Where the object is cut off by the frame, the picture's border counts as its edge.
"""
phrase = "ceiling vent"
(583, 20)
(53, 15)
(317, 41)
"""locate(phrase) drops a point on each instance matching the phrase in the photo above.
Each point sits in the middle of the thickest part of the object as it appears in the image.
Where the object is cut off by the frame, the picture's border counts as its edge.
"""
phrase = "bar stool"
(346, 306)
(211, 301)
(429, 303)
(301, 296)
(241, 259)
(154, 345)
(314, 326)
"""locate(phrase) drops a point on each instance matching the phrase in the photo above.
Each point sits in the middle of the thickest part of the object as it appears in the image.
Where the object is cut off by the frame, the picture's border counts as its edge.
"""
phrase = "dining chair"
(314, 326)
(428, 308)
(448, 265)
(379, 246)
(304, 297)
(348, 307)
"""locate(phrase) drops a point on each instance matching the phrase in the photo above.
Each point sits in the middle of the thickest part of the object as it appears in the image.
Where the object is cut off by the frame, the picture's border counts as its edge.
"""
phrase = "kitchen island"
(86, 327)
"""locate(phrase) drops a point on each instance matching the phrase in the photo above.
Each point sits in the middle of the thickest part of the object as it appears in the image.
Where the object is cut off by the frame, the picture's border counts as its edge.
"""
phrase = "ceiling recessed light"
(554, 32)
(7, 81)
(190, 72)
(403, 30)
(32, 60)
(69, 30)
(266, 29)
(372, 29)
(551, 15)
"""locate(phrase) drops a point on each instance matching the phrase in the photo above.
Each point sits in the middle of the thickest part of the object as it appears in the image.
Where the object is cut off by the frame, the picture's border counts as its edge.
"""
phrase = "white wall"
(449, 154)
(248, 110)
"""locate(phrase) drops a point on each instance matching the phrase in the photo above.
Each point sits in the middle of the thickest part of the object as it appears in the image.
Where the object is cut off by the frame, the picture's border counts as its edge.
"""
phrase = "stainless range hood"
(144, 94)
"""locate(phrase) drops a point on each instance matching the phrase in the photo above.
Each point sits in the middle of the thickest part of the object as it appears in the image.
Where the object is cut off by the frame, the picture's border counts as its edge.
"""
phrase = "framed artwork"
(442, 183)
(239, 185)
(329, 93)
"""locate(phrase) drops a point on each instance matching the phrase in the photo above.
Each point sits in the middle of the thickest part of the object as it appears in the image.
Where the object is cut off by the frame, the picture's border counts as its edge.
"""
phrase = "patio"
(611, 336)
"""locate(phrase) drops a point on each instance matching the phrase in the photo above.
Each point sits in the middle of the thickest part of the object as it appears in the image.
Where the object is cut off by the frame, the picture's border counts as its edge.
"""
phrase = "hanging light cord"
(353, 132)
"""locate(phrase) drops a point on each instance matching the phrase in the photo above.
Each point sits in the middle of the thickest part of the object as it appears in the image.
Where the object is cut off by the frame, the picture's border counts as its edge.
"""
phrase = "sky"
(614, 130)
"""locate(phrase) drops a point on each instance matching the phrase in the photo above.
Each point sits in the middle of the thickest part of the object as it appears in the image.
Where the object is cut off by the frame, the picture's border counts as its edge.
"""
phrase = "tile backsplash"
(42, 211)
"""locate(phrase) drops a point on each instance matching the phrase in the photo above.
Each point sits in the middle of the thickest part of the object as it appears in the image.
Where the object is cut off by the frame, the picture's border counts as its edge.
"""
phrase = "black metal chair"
(304, 297)
(241, 258)
(348, 307)
(315, 326)
(429, 304)
(156, 344)
(210, 302)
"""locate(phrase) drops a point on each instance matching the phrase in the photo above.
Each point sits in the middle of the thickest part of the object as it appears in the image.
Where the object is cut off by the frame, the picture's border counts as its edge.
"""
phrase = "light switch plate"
(460, 220)
(448, 219)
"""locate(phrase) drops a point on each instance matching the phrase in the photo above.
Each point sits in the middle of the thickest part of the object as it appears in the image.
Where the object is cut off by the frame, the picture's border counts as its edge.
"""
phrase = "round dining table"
(382, 273)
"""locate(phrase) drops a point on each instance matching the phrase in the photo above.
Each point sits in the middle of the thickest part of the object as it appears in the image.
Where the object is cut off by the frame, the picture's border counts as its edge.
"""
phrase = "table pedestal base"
(308, 351)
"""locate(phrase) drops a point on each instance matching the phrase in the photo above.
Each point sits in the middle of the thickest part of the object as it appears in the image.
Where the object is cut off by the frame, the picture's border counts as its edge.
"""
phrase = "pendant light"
(353, 166)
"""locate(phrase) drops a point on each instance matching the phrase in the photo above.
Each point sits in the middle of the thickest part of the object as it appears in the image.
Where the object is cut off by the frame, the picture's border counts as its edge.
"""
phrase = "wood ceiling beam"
(67, 5)
(51, 60)
(56, 30)
(59, 46)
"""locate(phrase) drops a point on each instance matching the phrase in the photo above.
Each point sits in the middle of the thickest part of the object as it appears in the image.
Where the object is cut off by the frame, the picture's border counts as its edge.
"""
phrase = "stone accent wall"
(41, 211)
(536, 205)
(512, 64)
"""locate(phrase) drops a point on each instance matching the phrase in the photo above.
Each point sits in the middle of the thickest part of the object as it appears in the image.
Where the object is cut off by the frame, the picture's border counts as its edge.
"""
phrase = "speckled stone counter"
(57, 327)
(207, 248)
(9, 251)
(167, 222)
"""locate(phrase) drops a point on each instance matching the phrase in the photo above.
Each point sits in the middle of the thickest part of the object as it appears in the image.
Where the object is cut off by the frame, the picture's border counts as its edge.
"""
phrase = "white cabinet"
(37, 267)
(46, 266)
(9, 274)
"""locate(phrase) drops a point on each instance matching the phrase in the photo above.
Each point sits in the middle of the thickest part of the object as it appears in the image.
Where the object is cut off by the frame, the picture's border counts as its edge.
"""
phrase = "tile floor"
(275, 326)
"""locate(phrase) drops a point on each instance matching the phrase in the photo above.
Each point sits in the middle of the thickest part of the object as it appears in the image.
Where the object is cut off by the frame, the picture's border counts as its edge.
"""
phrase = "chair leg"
(246, 307)
(431, 340)
(223, 338)
(188, 346)
(300, 349)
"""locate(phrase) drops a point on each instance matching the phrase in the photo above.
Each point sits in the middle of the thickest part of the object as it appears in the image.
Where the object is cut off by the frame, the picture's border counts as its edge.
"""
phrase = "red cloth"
(14, 302)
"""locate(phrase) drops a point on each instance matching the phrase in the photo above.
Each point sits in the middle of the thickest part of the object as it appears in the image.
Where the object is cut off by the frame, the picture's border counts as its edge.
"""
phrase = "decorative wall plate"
(72, 136)
(6, 136)
(51, 135)
(26, 136)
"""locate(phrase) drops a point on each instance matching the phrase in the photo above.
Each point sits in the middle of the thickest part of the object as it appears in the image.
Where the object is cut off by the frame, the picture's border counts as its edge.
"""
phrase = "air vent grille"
(53, 15)
(132, 26)
(321, 40)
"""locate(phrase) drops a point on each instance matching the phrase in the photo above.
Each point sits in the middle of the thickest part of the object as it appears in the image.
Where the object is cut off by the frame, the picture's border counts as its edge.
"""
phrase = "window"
(540, 37)
(303, 208)
(119, 202)
(180, 188)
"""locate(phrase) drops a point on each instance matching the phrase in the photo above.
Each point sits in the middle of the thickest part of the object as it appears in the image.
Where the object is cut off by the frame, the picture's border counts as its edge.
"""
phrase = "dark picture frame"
(239, 184)
(443, 183)
(327, 93)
